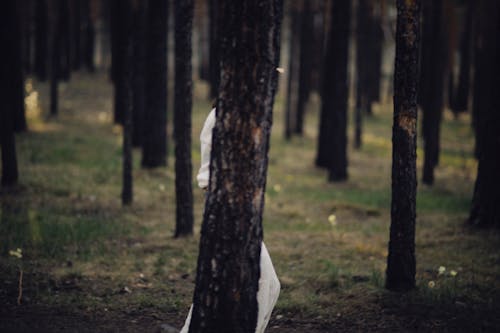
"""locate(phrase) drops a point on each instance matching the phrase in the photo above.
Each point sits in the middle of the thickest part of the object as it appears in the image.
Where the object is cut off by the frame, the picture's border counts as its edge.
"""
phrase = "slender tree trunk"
(88, 35)
(64, 61)
(293, 70)
(485, 210)
(75, 34)
(138, 77)
(335, 91)
(41, 35)
(203, 29)
(433, 73)
(182, 117)
(214, 12)
(401, 264)
(126, 77)
(375, 68)
(55, 47)
(9, 39)
(18, 66)
(154, 148)
(305, 67)
(461, 102)
(118, 48)
(229, 260)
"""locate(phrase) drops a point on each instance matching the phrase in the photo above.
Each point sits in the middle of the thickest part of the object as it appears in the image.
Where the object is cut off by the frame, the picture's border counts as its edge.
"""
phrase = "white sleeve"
(206, 147)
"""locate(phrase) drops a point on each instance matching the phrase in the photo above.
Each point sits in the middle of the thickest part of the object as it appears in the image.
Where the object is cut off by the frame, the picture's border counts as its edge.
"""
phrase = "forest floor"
(90, 265)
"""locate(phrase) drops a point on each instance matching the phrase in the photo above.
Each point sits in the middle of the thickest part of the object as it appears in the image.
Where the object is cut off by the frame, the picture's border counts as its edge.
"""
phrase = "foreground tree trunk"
(154, 145)
(332, 145)
(485, 211)
(18, 66)
(182, 117)
(9, 39)
(229, 259)
(401, 259)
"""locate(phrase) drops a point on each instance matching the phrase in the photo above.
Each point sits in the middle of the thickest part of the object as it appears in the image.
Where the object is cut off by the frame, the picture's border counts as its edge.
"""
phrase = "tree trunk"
(154, 148)
(88, 35)
(138, 77)
(64, 61)
(229, 260)
(305, 67)
(461, 100)
(400, 275)
(332, 148)
(126, 77)
(9, 39)
(432, 82)
(182, 117)
(214, 60)
(41, 35)
(293, 70)
(55, 48)
(18, 66)
(485, 211)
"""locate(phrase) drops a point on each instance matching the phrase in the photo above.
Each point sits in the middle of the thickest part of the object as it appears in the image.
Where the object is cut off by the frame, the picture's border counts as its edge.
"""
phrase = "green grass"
(328, 241)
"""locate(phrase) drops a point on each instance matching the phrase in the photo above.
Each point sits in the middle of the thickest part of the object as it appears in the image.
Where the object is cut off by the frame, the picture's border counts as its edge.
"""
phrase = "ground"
(90, 265)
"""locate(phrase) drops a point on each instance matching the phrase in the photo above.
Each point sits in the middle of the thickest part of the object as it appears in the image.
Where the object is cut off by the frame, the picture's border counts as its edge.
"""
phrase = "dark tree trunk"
(18, 65)
(229, 260)
(461, 95)
(64, 62)
(154, 148)
(363, 57)
(41, 36)
(433, 67)
(10, 40)
(485, 210)
(305, 67)
(375, 65)
(203, 28)
(293, 70)
(138, 77)
(401, 264)
(119, 10)
(55, 51)
(214, 60)
(182, 117)
(88, 36)
(75, 34)
(318, 41)
(332, 149)
(126, 76)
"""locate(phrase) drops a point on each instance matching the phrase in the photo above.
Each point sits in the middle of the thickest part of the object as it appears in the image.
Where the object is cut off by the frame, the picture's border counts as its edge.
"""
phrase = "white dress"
(269, 285)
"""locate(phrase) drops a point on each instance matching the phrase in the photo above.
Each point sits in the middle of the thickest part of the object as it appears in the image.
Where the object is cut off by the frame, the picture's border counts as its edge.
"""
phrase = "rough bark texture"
(182, 117)
(485, 211)
(431, 93)
(154, 147)
(401, 259)
(332, 145)
(9, 41)
(229, 259)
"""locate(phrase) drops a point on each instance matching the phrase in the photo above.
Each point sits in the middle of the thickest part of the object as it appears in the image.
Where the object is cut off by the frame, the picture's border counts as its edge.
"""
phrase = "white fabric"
(269, 285)
(206, 147)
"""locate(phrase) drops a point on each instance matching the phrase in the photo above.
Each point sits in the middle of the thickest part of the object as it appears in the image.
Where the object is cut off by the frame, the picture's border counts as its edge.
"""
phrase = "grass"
(86, 256)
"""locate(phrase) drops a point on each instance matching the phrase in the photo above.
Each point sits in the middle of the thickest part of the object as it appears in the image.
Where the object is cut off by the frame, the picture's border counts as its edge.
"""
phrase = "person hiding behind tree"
(269, 285)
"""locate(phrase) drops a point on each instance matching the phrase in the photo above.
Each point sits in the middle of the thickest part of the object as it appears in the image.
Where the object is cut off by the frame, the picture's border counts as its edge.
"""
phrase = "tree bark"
(154, 148)
(400, 275)
(9, 39)
(182, 117)
(332, 148)
(485, 210)
(229, 259)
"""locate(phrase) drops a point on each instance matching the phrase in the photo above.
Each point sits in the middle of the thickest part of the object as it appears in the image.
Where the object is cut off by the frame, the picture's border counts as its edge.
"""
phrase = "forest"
(360, 140)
